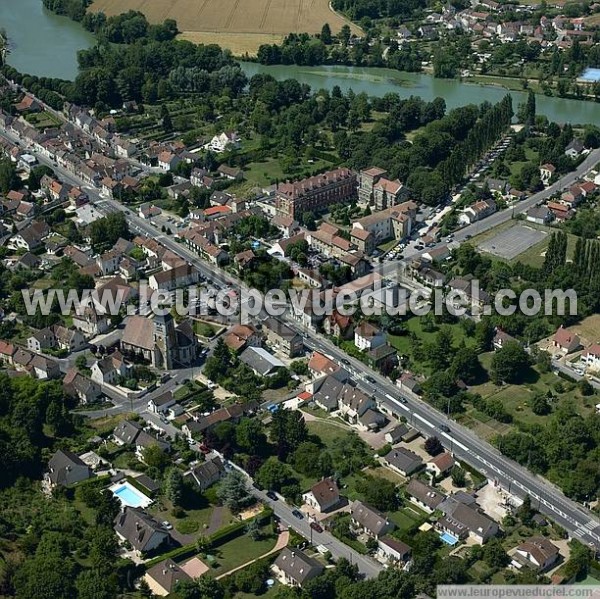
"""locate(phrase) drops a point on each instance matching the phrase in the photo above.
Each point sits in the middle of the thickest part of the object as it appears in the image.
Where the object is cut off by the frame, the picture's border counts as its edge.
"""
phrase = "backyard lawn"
(263, 173)
(329, 433)
(414, 325)
(240, 550)
(516, 399)
(408, 517)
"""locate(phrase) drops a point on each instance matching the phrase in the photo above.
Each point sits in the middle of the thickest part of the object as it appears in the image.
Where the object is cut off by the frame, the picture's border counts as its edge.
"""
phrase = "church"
(160, 341)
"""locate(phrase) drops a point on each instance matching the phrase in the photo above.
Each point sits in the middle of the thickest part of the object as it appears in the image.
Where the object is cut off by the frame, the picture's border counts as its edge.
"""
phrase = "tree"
(205, 587)
(494, 554)
(250, 437)
(465, 365)
(433, 446)
(288, 430)
(92, 584)
(326, 34)
(509, 363)
(253, 530)
(540, 405)
(459, 477)
(525, 512)
(81, 362)
(380, 493)
(8, 176)
(274, 475)
(303, 459)
(585, 388)
(174, 488)
(155, 457)
(233, 491)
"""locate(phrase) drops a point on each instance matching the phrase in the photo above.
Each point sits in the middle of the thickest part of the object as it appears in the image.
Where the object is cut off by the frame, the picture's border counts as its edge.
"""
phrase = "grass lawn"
(589, 581)
(195, 520)
(517, 399)
(263, 173)
(407, 517)
(413, 325)
(239, 551)
(328, 433)
(205, 329)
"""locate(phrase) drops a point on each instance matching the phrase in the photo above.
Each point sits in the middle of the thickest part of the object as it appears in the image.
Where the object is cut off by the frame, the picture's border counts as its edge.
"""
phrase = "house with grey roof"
(163, 578)
(126, 432)
(282, 338)
(396, 434)
(207, 473)
(261, 361)
(424, 496)
(294, 568)
(403, 461)
(369, 521)
(393, 550)
(66, 468)
(462, 521)
(140, 530)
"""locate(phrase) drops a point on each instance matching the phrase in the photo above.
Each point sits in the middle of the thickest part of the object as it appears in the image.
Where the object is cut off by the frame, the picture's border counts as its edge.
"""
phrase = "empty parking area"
(512, 242)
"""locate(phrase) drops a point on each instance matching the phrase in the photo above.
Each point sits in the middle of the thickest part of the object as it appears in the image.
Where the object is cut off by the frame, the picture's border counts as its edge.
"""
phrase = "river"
(46, 45)
(41, 42)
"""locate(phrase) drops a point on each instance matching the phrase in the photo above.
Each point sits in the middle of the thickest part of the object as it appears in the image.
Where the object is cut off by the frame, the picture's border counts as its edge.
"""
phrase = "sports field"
(239, 25)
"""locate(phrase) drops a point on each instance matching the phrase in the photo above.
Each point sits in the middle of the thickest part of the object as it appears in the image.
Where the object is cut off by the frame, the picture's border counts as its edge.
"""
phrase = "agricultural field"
(240, 26)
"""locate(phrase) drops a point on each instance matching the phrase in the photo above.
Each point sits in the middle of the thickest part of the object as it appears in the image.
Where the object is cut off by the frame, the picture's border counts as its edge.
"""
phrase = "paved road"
(390, 268)
(468, 447)
(461, 441)
(366, 565)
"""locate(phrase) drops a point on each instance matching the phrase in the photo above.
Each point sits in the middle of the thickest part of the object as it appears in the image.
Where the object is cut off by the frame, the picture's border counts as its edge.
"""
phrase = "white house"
(591, 357)
(323, 496)
(224, 141)
(368, 337)
(537, 553)
(546, 172)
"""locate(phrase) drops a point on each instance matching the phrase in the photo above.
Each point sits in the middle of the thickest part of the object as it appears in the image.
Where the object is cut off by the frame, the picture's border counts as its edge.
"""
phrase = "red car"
(316, 526)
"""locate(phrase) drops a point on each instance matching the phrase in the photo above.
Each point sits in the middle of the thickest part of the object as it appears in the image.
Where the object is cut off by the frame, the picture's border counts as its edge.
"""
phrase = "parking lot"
(514, 241)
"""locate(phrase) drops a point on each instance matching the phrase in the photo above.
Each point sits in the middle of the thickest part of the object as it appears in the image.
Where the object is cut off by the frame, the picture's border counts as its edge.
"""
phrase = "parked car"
(167, 525)
(298, 514)
(272, 495)
(316, 526)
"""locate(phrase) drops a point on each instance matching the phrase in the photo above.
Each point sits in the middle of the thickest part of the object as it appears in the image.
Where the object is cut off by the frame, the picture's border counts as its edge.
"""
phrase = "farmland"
(239, 26)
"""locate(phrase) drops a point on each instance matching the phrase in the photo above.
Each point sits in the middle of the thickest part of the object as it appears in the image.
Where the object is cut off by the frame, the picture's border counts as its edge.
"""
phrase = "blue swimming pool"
(129, 496)
(590, 74)
(449, 539)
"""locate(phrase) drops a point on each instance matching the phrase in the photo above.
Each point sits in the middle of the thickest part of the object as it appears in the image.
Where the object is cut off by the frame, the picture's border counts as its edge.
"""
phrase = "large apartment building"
(314, 194)
(376, 189)
(392, 223)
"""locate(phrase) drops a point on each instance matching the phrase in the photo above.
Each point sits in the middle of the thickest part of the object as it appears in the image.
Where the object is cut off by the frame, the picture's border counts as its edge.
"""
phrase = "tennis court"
(514, 241)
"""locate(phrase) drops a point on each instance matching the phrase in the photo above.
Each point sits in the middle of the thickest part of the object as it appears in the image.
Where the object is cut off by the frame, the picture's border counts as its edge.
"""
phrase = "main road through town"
(463, 443)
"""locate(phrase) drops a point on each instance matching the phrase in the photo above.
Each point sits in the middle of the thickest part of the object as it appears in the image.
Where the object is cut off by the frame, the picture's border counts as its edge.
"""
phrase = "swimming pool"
(590, 75)
(449, 539)
(129, 496)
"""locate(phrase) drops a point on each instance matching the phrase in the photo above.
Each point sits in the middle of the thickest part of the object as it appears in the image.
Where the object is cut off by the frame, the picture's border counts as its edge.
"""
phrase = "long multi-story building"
(314, 194)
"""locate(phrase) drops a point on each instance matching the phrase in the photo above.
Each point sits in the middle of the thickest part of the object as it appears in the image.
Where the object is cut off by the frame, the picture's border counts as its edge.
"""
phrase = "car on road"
(444, 428)
(403, 400)
(272, 495)
(370, 379)
(298, 514)
(316, 526)
(167, 525)
(346, 361)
